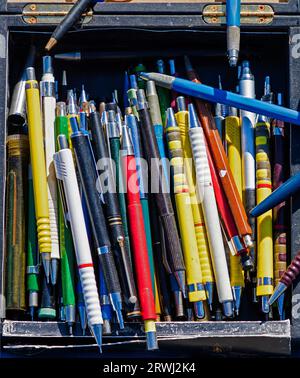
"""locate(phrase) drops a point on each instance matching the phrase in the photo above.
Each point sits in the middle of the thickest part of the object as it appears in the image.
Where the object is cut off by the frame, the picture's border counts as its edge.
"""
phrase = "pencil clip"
(62, 195)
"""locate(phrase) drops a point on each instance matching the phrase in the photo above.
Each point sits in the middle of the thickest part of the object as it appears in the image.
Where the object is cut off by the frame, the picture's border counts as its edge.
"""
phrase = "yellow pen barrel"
(233, 140)
(198, 218)
(236, 272)
(196, 290)
(264, 222)
(37, 154)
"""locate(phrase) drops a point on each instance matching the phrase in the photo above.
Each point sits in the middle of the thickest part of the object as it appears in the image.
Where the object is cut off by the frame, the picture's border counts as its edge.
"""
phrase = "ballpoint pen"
(89, 177)
(136, 70)
(138, 239)
(163, 94)
(208, 93)
(195, 287)
(162, 198)
(38, 165)
(221, 163)
(66, 175)
(158, 246)
(68, 22)
(279, 212)
(48, 107)
(65, 236)
(112, 209)
(206, 196)
(156, 119)
(114, 143)
(233, 16)
(16, 189)
(17, 110)
(133, 127)
(247, 89)
(33, 267)
(264, 222)
(47, 309)
(199, 224)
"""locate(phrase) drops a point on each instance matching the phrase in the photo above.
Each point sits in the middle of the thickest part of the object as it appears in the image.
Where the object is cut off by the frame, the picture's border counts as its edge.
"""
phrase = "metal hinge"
(50, 13)
(258, 14)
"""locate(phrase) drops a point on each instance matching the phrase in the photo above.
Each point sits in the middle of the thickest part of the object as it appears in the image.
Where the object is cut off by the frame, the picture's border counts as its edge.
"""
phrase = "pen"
(247, 89)
(162, 198)
(16, 189)
(38, 165)
(233, 15)
(156, 119)
(112, 209)
(114, 142)
(136, 70)
(221, 162)
(279, 212)
(65, 236)
(133, 127)
(65, 173)
(264, 222)
(207, 93)
(89, 179)
(138, 239)
(206, 196)
(158, 246)
(33, 267)
(196, 292)
(68, 22)
(49, 106)
(199, 224)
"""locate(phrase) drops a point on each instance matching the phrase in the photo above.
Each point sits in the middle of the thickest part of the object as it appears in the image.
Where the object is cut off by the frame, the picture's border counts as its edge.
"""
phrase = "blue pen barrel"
(237, 101)
(233, 12)
(286, 190)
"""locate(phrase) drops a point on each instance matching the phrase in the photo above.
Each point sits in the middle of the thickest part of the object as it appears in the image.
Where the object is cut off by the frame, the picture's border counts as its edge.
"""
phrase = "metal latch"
(258, 14)
(50, 13)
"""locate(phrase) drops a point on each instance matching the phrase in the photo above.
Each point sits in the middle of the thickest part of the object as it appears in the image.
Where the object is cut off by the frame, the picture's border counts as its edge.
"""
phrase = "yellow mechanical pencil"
(196, 291)
(37, 154)
(264, 222)
(233, 141)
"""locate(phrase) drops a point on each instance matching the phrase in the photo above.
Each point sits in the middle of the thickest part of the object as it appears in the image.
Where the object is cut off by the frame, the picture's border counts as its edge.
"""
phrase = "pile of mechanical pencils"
(142, 214)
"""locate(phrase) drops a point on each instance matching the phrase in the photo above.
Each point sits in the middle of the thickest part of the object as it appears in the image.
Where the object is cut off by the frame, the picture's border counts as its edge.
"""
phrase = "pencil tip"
(50, 44)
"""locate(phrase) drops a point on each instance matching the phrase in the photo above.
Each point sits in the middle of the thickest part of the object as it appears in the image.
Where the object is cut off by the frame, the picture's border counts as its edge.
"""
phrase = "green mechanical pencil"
(65, 237)
(33, 266)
